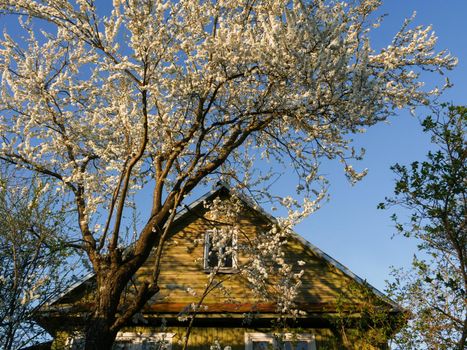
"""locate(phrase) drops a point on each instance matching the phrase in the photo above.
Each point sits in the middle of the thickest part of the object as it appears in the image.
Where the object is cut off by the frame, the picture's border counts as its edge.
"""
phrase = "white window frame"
(222, 269)
(134, 338)
(250, 338)
(139, 338)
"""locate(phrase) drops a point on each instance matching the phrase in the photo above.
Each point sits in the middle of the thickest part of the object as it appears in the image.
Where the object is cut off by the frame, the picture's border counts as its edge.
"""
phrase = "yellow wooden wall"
(182, 266)
(203, 338)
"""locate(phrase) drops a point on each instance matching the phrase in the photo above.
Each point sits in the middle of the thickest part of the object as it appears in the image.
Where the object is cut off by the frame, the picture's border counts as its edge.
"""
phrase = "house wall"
(202, 338)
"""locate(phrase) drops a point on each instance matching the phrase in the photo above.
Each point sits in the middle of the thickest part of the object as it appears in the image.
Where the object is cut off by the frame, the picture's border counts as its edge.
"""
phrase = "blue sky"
(349, 227)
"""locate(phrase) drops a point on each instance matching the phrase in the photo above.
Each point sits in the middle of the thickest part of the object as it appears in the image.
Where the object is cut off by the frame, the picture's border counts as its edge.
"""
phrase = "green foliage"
(365, 320)
(32, 256)
(434, 192)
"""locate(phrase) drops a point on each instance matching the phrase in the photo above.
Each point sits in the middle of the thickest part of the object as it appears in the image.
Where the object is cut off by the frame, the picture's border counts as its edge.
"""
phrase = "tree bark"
(99, 335)
(109, 314)
(462, 340)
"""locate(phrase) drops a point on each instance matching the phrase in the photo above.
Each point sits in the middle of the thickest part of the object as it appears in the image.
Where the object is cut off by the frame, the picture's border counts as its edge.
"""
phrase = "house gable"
(325, 285)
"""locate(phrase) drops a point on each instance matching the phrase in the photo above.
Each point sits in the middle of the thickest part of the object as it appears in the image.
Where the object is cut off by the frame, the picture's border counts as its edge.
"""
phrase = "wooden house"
(333, 308)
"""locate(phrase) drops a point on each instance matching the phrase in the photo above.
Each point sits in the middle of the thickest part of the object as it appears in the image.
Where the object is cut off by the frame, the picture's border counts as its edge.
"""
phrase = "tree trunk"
(98, 335)
(113, 276)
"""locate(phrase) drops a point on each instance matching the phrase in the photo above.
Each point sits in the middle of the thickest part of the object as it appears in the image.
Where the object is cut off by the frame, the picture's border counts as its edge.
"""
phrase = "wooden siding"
(201, 338)
(182, 268)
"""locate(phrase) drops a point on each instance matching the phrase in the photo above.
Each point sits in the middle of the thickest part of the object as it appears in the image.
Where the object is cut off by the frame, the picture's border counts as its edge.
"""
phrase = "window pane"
(141, 344)
(77, 344)
(262, 345)
(120, 346)
(145, 345)
(227, 260)
(295, 345)
(213, 258)
(159, 345)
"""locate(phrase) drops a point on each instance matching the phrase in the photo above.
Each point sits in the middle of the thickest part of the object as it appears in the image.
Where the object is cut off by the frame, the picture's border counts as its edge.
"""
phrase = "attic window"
(220, 252)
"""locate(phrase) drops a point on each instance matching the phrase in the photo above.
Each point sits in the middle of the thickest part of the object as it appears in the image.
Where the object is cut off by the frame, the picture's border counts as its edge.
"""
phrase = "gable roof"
(223, 188)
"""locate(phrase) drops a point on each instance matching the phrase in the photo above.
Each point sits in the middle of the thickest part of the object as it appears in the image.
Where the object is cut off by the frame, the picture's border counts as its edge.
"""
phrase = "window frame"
(133, 338)
(138, 338)
(250, 338)
(221, 269)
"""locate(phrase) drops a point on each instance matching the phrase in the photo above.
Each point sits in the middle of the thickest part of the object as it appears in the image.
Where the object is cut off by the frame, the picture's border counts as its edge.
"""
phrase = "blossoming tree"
(165, 96)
